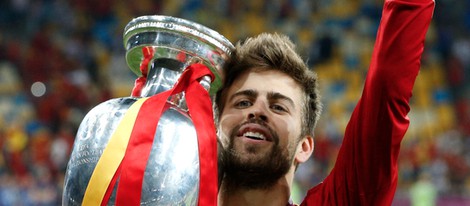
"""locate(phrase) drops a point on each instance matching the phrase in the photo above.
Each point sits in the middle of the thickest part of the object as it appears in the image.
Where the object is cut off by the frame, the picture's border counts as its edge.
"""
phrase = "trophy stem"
(162, 75)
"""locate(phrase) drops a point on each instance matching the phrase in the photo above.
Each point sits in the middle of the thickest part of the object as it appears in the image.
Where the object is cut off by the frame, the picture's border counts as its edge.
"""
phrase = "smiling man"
(269, 106)
(262, 127)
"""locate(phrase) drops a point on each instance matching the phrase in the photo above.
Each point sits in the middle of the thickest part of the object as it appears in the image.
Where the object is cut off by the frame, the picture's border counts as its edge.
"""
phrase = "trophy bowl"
(176, 38)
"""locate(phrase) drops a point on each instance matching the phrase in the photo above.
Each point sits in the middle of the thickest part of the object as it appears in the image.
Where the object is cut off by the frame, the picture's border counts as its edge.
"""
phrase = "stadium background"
(59, 58)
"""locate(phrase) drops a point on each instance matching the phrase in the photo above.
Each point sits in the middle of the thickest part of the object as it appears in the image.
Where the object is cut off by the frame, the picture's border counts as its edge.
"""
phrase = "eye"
(278, 108)
(243, 104)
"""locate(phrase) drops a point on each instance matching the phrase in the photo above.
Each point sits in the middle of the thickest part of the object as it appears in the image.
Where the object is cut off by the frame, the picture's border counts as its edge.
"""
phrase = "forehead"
(267, 81)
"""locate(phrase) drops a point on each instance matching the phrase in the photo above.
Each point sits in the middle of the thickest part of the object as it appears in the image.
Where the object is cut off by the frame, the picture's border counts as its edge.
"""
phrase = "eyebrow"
(249, 93)
(279, 96)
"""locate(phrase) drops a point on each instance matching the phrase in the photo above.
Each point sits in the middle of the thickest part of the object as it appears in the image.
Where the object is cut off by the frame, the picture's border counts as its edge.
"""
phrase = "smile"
(254, 135)
(255, 131)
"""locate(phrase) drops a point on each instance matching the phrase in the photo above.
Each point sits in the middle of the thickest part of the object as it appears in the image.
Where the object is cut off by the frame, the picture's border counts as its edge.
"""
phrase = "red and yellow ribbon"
(135, 133)
(111, 158)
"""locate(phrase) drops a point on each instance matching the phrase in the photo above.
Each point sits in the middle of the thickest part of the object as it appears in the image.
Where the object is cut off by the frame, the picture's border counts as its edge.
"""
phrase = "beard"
(259, 169)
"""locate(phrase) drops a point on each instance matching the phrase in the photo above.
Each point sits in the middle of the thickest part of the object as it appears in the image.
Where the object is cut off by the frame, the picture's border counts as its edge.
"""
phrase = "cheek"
(290, 129)
(231, 118)
(227, 122)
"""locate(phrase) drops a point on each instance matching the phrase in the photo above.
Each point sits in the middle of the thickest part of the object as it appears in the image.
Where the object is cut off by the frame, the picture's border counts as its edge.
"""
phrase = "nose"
(258, 111)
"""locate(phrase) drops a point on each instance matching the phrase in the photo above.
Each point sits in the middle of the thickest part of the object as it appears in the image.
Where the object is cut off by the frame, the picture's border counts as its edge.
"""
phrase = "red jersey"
(365, 172)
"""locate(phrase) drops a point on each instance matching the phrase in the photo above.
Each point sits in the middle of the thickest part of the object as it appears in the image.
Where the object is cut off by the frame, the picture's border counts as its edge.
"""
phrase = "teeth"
(255, 135)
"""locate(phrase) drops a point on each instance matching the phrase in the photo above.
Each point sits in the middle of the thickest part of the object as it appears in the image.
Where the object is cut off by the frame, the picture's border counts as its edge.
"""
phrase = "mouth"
(254, 135)
(255, 132)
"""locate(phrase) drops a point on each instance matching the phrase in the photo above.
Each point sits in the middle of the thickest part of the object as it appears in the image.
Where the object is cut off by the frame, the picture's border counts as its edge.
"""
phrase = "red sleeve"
(365, 172)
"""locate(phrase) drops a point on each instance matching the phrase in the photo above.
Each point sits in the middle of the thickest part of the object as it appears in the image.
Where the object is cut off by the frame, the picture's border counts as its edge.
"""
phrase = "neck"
(278, 194)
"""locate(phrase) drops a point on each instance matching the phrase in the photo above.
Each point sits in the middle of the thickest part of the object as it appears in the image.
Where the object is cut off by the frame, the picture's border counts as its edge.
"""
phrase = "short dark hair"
(274, 51)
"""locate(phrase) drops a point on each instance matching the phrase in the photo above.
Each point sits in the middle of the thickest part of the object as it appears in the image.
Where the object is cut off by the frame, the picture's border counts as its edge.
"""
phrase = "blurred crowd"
(60, 58)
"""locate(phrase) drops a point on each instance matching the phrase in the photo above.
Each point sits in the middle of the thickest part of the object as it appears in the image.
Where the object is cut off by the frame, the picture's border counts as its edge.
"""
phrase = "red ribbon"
(199, 101)
(144, 67)
(135, 159)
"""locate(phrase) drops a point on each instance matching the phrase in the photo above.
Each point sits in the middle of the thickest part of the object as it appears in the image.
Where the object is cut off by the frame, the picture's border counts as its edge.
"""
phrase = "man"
(269, 106)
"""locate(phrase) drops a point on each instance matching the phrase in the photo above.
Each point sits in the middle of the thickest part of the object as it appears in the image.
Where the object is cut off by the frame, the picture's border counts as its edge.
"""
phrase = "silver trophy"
(172, 173)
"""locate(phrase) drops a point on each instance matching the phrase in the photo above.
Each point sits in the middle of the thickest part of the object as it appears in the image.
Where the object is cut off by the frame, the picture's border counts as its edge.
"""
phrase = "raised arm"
(365, 172)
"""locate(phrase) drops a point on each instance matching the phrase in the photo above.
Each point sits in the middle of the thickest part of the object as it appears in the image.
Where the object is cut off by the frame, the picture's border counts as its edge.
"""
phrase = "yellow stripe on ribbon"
(111, 157)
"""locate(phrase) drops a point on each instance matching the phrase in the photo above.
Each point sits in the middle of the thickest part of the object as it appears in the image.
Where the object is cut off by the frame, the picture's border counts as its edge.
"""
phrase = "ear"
(304, 149)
